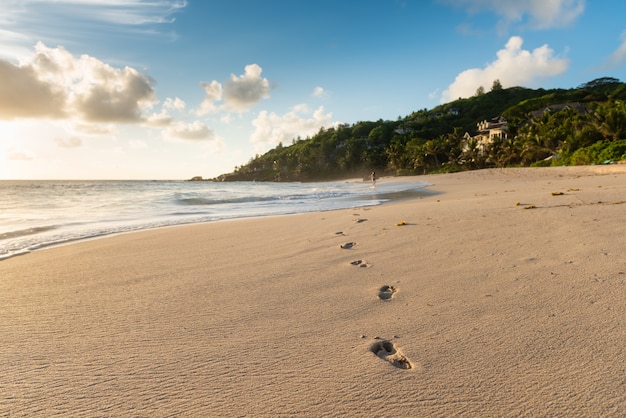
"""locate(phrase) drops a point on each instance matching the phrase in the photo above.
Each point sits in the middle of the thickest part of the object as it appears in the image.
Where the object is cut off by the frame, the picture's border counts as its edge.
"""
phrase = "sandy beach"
(497, 293)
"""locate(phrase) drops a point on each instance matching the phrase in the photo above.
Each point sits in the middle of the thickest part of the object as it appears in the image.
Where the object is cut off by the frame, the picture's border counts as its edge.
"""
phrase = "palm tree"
(611, 120)
(453, 146)
(432, 148)
(472, 155)
(399, 158)
(417, 155)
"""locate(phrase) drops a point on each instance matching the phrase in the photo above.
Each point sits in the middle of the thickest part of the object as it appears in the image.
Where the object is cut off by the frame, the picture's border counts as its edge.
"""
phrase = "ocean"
(40, 214)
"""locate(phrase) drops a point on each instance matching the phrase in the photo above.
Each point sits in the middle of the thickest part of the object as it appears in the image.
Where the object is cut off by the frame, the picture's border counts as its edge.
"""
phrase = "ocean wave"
(25, 232)
(204, 201)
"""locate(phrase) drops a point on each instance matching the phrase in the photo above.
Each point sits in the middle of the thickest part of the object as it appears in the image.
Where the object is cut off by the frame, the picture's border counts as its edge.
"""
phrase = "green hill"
(582, 125)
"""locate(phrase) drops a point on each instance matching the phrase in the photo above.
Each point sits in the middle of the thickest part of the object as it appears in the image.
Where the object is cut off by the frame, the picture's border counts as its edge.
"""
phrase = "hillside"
(582, 125)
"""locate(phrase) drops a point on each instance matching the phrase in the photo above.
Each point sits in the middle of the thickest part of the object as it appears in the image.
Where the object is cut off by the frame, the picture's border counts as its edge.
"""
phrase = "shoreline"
(463, 303)
(160, 206)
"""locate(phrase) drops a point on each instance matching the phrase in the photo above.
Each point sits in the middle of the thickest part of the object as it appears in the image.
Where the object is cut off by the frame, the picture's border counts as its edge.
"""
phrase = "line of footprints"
(384, 349)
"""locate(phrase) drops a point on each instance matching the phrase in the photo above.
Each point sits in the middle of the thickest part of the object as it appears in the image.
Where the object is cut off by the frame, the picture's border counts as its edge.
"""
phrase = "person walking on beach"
(373, 177)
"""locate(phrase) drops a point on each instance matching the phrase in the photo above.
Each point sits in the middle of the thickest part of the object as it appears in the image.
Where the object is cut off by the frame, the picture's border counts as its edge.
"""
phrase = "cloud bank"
(53, 84)
(513, 66)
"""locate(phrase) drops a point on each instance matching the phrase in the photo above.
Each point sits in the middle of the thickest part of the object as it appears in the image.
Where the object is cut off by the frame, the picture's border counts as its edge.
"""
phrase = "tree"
(496, 85)
(599, 82)
(611, 120)
(397, 155)
(472, 156)
(433, 148)
(453, 146)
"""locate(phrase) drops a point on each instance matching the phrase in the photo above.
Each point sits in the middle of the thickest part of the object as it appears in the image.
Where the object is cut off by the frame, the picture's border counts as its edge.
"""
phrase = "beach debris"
(360, 220)
(401, 223)
(517, 203)
(388, 351)
(386, 292)
(557, 193)
(573, 190)
(348, 245)
(530, 207)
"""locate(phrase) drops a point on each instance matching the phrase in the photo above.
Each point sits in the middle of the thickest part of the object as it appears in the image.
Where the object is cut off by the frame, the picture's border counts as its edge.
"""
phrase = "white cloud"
(54, 84)
(160, 119)
(271, 128)
(237, 94)
(89, 94)
(163, 118)
(514, 66)
(319, 92)
(94, 129)
(213, 147)
(24, 22)
(71, 142)
(195, 131)
(243, 92)
(213, 94)
(18, 155)
(619, 55)
(24, 94)
(174, 104)
(119, 12)
(537, 14)
(227, 119)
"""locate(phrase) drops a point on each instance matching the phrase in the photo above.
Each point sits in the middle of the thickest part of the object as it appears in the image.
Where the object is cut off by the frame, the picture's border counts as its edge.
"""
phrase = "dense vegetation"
(584, 125)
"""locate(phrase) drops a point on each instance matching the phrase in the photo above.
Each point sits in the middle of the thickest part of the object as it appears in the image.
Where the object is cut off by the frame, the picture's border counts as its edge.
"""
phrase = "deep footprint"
(348, 245)
(386, 292)
(388, 351)
(360, 263)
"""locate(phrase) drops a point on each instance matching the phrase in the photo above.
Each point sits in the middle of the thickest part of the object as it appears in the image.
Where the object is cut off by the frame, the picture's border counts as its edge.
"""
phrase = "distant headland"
(512, 127)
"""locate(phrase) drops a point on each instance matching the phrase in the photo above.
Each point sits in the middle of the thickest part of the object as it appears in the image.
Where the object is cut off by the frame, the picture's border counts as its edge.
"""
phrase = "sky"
(172, 89)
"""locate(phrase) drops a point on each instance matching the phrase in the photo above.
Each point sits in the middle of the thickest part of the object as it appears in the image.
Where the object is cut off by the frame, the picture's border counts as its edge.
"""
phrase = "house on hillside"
(575, 106)
(487, 131)
(496, 127)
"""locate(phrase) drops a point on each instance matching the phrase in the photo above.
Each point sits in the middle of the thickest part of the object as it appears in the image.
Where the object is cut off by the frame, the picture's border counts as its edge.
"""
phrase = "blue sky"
(171, 89)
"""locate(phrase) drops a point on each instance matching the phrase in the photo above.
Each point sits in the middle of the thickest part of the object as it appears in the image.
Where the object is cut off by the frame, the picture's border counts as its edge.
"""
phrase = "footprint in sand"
(388, 351)
(348, 245)
(386, 292)
(359, 263)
